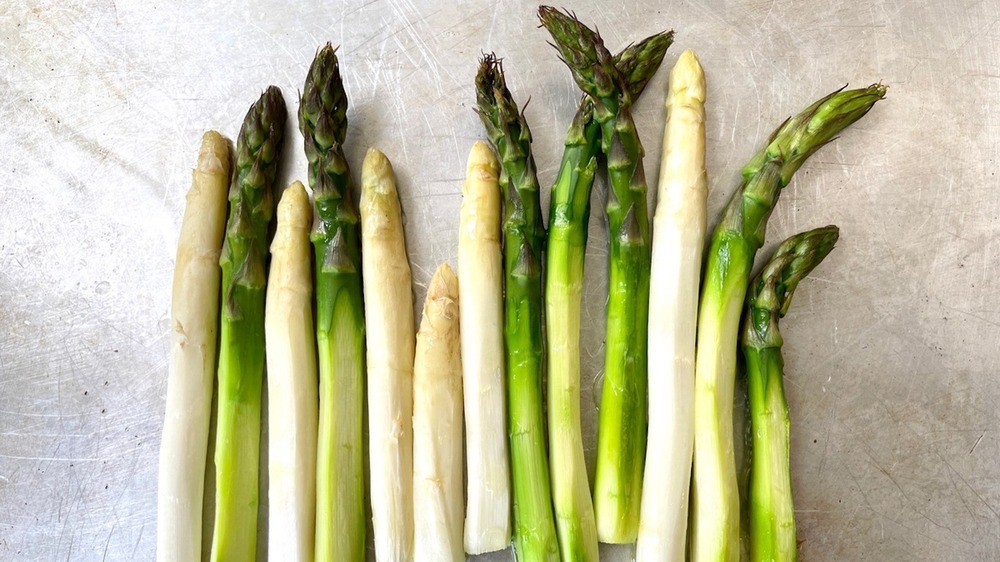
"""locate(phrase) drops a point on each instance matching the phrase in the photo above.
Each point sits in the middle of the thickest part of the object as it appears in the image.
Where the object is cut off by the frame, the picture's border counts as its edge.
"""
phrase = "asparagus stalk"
(291, 384)
(195, 312)
(679, 227)
(390, 341)
(241, 346)
(480, 280)
(534, 528)
(772, 519)
(740, 233)
(437, 425)
(622, 433)
(340, 326)
(570, 209)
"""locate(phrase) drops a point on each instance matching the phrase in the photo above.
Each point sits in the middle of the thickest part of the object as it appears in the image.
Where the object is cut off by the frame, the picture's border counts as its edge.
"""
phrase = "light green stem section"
(772, 521)
(715, 537)
(340, 485)
(570, 488)
(237, 449)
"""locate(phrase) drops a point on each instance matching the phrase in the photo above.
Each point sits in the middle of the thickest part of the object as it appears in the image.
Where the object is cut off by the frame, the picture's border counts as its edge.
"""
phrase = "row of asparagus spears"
(666, 473)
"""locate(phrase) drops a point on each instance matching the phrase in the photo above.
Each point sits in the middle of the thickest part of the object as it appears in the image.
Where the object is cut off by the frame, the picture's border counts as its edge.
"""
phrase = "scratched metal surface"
(892, 354)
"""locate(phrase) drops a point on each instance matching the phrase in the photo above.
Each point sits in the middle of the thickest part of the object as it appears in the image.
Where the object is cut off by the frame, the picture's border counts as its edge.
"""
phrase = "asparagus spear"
(622, 433)
(480, 280)
(437, 425)
(772, 519)
(340, 326)
(195, 313)
(390, 341)
(534, 529)
(291, 384)
(241, 346)
(740, 233)
(678, 240)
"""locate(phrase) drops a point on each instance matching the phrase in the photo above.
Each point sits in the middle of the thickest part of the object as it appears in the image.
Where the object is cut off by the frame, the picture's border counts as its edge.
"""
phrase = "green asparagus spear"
(622, 432)
(534, 529)
(740, 233)
(532, 505)
(241, 347)
(772, 518)
(340, 326)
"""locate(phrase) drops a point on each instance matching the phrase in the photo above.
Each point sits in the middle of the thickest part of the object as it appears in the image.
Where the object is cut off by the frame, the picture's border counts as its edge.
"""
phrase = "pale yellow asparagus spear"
(292, 393)
(195, 313)
(480, 282)
(679, 225)
(390, 341)
(437, 425)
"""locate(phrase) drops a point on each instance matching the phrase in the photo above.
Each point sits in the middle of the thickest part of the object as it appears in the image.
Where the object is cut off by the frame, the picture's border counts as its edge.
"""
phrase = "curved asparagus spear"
(772, 517)
(390, 341)
(622, 433)
(437, 425)
(241, 346)
(740, 233)
(534, 529)
(340, 323)
(195, 313)
(679, 225)
(291, 384)
(480, 279)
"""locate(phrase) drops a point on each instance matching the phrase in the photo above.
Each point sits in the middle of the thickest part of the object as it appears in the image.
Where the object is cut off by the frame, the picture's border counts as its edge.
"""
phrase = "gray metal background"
(892, 346)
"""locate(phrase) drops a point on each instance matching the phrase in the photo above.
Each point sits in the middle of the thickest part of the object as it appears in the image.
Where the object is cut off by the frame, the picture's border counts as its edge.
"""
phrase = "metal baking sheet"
(891, 347)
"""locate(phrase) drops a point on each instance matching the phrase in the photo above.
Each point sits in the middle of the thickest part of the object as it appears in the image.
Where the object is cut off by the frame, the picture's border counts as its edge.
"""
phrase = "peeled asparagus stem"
(437, 425)
(195, 312)
(679, 226)
(480, 280)
(390, 341)
(292, 394)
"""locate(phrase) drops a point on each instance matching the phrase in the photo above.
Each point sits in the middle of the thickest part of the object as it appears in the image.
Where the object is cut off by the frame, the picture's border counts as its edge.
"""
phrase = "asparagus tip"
(294, 208)
(481, 157)
(376, 164)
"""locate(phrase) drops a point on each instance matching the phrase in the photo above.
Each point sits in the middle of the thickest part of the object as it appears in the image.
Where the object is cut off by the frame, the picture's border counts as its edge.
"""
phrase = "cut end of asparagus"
(771, 291)
(687, 79)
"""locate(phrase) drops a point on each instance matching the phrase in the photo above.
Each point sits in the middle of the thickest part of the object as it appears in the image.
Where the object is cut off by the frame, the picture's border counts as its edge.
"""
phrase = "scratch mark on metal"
(977, 442)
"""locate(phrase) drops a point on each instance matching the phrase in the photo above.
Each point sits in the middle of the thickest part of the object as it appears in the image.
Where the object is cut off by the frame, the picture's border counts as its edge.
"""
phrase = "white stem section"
(390, 340)
(437, 426)
(292, 391)
(195, 313)
(480, 282)
(679, 226)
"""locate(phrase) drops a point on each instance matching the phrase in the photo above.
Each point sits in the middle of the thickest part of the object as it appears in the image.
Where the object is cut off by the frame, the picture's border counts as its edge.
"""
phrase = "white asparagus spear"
(390, 340)
(437, 425)
(480, 283)
(679, 225)
(195, 313)
(292, 392)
